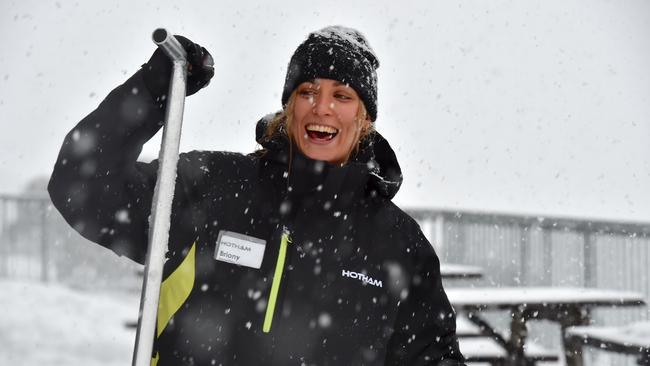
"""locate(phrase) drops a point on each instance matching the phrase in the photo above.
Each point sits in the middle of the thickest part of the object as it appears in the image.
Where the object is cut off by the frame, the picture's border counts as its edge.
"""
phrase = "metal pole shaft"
(162, 199)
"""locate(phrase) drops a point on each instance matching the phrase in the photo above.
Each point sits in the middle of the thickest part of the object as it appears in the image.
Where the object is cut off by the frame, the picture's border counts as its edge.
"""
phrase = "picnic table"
(632, 339)
(566, 305)
(477, 347)
(460, 271)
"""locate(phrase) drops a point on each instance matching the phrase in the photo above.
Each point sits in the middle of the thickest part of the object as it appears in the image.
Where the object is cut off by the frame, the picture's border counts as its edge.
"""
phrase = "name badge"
(239, 249)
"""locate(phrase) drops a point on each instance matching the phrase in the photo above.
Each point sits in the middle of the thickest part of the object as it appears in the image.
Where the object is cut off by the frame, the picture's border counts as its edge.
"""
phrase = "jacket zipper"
(277, 278)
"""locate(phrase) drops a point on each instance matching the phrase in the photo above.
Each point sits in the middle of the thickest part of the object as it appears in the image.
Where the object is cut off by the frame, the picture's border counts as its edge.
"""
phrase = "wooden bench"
(479, 348)
(465, 328)
(484, 349)
(632, 339)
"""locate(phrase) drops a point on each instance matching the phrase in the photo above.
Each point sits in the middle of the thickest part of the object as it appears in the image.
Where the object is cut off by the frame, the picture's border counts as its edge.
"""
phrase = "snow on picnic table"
(635, 334)
(459, 270)
(540, 296)
(55, 325)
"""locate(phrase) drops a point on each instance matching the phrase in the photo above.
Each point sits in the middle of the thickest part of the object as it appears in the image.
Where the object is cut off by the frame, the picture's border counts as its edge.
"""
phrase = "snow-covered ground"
(55, 325)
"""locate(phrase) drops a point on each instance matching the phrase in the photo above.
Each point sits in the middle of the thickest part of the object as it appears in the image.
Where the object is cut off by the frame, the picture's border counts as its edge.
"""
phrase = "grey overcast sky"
(540, 107)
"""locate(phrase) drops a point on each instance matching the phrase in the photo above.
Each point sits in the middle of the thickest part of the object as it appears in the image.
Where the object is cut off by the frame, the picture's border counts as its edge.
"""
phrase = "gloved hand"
(158, 70)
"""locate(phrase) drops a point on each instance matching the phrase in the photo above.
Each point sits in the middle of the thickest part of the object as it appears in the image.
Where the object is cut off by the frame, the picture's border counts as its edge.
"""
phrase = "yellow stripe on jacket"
(174, 291)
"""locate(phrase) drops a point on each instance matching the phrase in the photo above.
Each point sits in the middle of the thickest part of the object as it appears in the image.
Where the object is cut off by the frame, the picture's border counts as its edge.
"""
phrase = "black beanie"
(336, 53)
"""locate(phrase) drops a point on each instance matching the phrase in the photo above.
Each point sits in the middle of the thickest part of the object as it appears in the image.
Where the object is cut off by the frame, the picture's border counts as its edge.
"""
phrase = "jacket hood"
(375, 156)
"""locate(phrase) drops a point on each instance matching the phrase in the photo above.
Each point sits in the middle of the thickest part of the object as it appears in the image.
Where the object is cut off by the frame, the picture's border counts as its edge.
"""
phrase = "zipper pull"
(286, 232)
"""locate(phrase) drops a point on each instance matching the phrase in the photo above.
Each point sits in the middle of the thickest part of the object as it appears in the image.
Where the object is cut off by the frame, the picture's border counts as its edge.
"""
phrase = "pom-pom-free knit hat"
(336, 53)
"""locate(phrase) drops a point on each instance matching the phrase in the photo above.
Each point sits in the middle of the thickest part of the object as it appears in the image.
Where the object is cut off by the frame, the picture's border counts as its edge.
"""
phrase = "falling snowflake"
(324, 320)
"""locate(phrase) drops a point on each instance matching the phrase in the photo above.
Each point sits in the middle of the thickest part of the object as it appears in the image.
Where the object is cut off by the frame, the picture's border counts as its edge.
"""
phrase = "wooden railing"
(37, 244)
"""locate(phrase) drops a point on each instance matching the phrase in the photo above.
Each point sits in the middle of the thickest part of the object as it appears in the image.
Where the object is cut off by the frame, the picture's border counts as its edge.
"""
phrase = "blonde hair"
(280, 125)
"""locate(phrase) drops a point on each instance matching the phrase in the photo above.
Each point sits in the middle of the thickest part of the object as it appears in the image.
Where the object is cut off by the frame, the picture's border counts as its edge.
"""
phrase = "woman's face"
(325, 124)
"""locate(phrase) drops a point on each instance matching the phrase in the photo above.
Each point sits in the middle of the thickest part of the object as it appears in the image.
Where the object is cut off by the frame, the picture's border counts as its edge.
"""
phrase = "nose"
(323, 105)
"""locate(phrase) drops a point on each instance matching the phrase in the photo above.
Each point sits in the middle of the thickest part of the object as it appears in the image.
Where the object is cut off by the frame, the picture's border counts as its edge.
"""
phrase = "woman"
(293, 254)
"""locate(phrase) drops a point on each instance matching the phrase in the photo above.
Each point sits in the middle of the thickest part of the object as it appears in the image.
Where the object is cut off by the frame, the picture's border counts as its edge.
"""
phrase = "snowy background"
(537, 107)
(540, 106)
(89, 330)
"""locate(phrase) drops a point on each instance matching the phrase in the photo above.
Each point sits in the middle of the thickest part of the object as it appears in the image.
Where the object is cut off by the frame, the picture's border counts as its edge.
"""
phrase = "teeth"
(321, 128)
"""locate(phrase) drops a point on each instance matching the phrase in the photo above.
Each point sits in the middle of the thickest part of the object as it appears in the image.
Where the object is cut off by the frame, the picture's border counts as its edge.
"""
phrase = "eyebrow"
(336, 83)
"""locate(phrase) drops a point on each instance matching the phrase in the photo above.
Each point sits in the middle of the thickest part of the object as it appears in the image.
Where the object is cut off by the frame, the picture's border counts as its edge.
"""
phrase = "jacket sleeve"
(96, 184)
(425, 328)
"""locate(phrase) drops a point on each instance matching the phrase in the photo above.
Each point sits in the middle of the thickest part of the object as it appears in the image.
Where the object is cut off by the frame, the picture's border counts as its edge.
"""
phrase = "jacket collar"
(373, 169)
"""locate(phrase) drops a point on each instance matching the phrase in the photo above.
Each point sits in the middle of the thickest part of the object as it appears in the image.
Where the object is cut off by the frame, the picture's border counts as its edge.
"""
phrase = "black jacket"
(360, 284)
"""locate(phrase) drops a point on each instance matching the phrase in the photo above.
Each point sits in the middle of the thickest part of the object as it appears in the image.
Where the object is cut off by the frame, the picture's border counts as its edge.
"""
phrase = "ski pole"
(163, 195)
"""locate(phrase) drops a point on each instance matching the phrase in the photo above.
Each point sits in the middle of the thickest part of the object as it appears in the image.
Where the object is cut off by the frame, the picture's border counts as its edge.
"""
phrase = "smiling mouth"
(321, 132)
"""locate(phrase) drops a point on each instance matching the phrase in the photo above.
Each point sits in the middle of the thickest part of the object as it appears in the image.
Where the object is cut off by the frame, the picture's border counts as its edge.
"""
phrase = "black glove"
(158, 70)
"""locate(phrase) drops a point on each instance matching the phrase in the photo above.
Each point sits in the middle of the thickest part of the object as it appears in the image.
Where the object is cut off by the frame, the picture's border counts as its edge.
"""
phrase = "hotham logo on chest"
(362, 277)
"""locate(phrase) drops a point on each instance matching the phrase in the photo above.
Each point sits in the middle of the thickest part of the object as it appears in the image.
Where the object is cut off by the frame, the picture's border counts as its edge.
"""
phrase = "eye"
(307, 92)
(342, 96)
